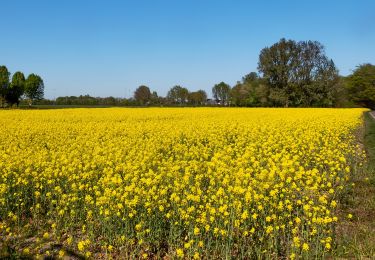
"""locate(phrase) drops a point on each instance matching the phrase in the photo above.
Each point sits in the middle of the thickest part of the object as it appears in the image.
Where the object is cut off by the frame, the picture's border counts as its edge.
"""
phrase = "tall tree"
(361, 85)
(34, 88)
(142, 95)
(221, 93)
(239, 94)
(4, 83)
(251, 77)
(276, 63)
(178, 94)
(197, 97)
(248, 92)
(316, 76)
(298, 73)
(155, 98)
(16, 89)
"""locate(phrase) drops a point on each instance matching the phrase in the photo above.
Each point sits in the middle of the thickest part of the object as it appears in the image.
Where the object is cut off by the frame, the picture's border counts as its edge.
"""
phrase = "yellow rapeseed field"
(182, 182)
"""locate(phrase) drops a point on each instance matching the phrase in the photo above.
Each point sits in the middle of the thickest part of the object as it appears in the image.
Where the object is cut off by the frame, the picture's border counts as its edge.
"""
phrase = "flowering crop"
(184, 182)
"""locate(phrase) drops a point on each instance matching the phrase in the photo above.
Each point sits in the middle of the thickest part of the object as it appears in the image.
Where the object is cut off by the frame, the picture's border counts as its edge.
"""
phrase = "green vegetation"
(355, 235)
(298, 74)
(361, 85)
(11, 92)
(178, 95)
(34, 88)
(221, 93)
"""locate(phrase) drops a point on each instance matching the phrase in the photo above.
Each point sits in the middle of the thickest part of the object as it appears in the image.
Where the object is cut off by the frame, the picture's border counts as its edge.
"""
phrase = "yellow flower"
(296, 241)
(305, 247)
(227, 173)
(61, 253)
(69, 240)
(269, 229)
(81, 245)
(180, 253)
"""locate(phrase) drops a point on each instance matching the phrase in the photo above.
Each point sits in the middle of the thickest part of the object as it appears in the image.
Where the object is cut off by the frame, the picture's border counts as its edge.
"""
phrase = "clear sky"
(109, 48)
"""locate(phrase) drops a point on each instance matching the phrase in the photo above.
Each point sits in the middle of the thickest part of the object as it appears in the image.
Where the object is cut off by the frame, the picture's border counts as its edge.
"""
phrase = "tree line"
(17, 87)
(289, 74)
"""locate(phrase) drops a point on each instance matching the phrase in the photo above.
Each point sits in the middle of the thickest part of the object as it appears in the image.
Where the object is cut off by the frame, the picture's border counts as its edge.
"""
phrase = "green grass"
(356, 236)
(370, 140)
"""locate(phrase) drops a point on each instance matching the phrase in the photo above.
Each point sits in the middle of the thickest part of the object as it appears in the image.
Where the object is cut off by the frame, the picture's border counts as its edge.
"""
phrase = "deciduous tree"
(142, 95)
(178, 94)
(34, 88)
(16, 89)
(361, 85)
(4, 83)
(298, 73)
(197, 97)
(221, 93)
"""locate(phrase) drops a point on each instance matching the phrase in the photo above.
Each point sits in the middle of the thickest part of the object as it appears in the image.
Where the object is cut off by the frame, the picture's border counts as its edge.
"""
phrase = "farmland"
(177, 182)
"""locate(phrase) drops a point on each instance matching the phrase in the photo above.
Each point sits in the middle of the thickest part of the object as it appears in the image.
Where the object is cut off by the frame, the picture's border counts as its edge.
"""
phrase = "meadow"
(176, 182)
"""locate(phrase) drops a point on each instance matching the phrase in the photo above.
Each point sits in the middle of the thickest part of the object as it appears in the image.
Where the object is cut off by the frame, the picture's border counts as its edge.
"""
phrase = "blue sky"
(109, 48)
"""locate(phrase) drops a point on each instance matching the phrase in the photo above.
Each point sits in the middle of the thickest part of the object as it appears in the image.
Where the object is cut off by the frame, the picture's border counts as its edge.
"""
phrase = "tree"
(249, 92)
(178, 94)
(142, 95)
(341, 94)
(4, 83)
(251, 77)
(197, 97)
(361, 85)
(276, 63)
(16, 89)
(34, 88)
(239, 94)
(298, 73)
(221, 93)
(155, 98)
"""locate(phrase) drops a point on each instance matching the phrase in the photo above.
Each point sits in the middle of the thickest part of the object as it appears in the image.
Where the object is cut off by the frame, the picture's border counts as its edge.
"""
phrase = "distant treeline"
(290, 74)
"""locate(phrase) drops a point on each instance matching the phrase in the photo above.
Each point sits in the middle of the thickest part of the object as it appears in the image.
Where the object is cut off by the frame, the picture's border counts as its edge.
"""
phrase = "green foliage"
(239, 94)
(361, 85)
(252, 91)
(34, 88)
(298, 73)
(178, 95)
(4, 83)
(251, 77)
(198, 97)
(142, 95)
(221, 93)
(16, 89)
